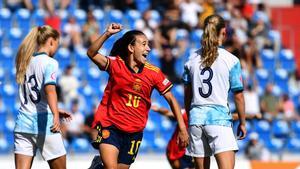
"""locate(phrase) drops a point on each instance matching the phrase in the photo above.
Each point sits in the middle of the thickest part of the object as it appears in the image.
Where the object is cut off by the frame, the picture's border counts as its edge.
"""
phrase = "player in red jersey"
(132, 82)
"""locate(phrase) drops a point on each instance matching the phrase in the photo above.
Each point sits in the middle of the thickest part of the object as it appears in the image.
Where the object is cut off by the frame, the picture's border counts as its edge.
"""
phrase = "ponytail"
(36, 37)
(24, 54)
(210, 39)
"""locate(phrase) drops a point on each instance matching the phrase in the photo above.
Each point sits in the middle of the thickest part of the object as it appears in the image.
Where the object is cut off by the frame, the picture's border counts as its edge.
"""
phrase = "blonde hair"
(210, 39)
(35, 38)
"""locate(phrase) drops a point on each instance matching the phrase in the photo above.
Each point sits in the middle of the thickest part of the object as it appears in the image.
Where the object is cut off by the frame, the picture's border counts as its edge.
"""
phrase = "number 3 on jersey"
(34, 88)
(207, 82)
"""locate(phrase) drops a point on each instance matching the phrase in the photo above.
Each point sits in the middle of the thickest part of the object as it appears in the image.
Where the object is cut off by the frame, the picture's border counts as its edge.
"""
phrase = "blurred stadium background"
(265, 35)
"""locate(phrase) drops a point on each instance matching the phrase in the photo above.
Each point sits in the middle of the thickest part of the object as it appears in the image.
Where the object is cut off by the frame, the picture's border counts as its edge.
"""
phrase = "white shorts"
(208, 140)
(50, 146)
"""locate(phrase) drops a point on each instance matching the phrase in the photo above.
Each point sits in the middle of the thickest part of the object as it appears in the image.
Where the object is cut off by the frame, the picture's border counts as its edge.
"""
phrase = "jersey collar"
(132, 71)
(39, 53)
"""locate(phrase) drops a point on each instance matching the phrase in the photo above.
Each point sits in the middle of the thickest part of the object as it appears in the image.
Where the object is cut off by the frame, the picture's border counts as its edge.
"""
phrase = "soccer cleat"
(96, 163)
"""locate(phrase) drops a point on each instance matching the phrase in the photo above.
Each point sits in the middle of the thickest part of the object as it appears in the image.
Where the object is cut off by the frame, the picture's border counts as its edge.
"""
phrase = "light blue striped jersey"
(34, 115)
(210, 87)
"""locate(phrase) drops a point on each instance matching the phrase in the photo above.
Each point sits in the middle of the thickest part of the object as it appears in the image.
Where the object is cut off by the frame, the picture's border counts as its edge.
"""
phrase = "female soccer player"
(132, 82)
(38, 124)
(210, 73)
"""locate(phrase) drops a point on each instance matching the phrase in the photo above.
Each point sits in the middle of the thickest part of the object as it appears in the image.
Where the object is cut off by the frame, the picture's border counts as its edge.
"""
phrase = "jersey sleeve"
(50, 74)
(109, 67)
(107, 64)
(163, 85)
(235, 78)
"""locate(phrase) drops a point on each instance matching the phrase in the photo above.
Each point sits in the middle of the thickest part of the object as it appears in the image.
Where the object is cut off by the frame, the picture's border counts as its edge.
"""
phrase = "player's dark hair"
(120, 47)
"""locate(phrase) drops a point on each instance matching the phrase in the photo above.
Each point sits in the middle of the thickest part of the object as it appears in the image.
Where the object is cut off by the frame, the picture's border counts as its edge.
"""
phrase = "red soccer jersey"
(130, 94)
(175, 152)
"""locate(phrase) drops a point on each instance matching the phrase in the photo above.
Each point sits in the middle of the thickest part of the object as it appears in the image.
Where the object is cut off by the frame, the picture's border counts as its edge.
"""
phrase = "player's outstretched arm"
(99, 59)
(183, 134)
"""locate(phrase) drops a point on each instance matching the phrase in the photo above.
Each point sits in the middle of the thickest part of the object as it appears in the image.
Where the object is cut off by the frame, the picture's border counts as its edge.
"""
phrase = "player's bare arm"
(99, 59)
(50, 91)
(240, 105)
(183, 134)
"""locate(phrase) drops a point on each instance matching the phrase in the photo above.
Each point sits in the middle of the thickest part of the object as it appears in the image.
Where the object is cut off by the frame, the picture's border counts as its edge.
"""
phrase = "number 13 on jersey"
(33, 89)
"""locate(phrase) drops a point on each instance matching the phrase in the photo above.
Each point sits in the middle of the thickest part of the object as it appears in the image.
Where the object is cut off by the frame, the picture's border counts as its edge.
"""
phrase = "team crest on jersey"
(137, 85)
(105, 134)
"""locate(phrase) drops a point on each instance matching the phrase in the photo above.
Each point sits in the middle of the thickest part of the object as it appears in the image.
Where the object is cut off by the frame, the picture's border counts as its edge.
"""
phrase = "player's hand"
(241, 131)
(183, 138)
(113, 28)
(55, 128)
(66, 116)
